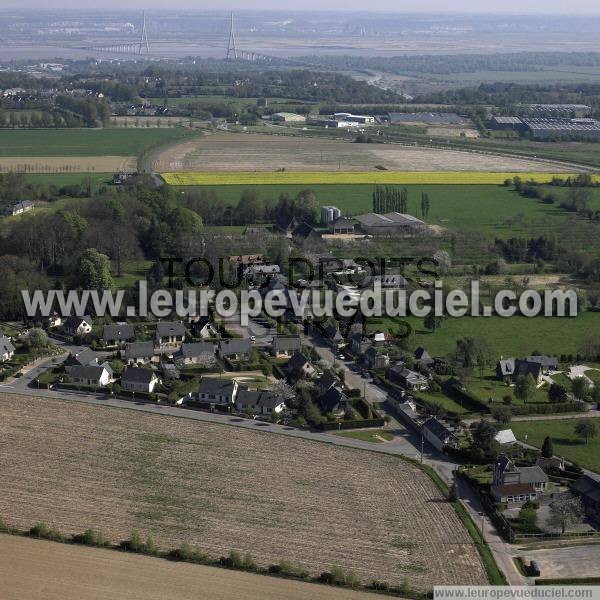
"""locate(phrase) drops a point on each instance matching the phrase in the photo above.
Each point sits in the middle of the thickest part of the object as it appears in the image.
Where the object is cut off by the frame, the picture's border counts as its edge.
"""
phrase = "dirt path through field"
(259, 152)
(39, 569)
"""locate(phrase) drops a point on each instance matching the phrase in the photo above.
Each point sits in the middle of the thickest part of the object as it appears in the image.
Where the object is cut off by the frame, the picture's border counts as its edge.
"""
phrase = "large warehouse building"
(393, 223)
(563, 128)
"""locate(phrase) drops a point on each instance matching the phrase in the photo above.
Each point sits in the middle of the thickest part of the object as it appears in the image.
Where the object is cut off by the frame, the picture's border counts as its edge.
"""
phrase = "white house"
(92, 375)
(218, 391)
(78, 325)
(7, 349)
(170, 333)
(135, 379)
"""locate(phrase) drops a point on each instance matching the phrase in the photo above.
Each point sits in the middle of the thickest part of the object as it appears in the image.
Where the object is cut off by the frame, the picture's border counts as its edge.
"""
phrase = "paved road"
(406, 443)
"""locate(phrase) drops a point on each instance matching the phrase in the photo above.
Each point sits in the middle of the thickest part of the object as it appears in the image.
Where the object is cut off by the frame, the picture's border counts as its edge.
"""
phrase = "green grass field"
(60, 179)
(566, 443)
(85, 142)
(488, 209)
(515, 336)
(377, 436)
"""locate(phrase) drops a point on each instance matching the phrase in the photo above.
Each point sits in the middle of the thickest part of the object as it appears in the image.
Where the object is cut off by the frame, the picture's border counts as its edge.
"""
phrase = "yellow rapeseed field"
(380, 177)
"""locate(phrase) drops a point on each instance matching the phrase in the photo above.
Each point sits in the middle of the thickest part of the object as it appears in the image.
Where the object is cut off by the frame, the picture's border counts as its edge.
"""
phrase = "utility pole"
(144, 37)
(422, 445)
(231, 49)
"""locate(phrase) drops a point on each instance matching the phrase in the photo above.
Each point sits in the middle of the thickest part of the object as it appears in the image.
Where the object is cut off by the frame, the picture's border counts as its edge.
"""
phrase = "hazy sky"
(505, 6)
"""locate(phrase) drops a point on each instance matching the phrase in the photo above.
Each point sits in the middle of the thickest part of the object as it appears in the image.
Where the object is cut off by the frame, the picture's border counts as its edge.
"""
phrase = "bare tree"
(565, 511)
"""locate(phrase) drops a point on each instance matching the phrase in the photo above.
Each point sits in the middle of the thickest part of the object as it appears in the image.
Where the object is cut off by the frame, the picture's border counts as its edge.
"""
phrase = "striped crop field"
(381, 177)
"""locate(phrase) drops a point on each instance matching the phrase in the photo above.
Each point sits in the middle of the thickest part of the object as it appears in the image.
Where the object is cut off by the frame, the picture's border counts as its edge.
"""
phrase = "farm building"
(393, 223)
(341, 226)
(286, 117)
(559, 110)
(330, 214)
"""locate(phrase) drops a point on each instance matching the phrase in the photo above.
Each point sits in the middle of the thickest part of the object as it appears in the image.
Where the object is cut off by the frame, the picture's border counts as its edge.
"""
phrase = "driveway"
(574, 561)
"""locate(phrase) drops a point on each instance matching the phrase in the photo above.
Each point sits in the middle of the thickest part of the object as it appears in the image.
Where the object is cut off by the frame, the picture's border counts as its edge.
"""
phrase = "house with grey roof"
(202, 328)
(170, 333)
(438, 434)
(139, 380)
(83, 357)
(511, 369)
(22, 207)
(140, 353)
(259, 402)
(373, 359)
(78, 325)
(117, 333)
(218, 392)
(299, 367)
(517, 485)
(410, 380)
(196, 353)
(423, 357)
(90, 375)
(334, 402)
(549, 363)
(286, 345)
(235, 349)
(7, 349)
(325, 381)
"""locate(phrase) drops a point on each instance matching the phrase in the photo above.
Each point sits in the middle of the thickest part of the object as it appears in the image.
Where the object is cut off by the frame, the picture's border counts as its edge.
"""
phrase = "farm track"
(77, 466)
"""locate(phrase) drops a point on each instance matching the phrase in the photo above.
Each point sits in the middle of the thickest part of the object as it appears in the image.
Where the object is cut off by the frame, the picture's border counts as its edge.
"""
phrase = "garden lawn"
(377, 436)
(491, 387)
(566, 443)
(514, 336)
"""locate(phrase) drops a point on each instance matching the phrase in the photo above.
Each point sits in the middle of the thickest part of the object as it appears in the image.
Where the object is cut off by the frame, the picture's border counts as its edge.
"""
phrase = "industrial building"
(332, 123)
(330, 214)
(393, 223)
(559, 110)
(349, 117)
(506, 124)
(562, 128)
(286, 117)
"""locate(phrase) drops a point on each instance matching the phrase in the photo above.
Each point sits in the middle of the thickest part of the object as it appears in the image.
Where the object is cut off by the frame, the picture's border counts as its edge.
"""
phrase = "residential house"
(359, 344)
(22, 207)
(333, 335)
(196, 353)
(217, 392)
(7, 349)
(326, 381)
(299, 367)
(84, 357)
(170, 333)
(410, 380)
(554, 463)
(202, 328)
(117, 333)
(374, 359)
(259, 402)
(511, 369)
(423, 357)
(78, 325)
(517, 485)
(90, 375)
(438, 434)
(235, 349)
(587, 488)
(407, 411)
(381, 337)
(286, 224)
(139, 380)
(286, 345)
(334, 402)
(549, 363)
(140, 353)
